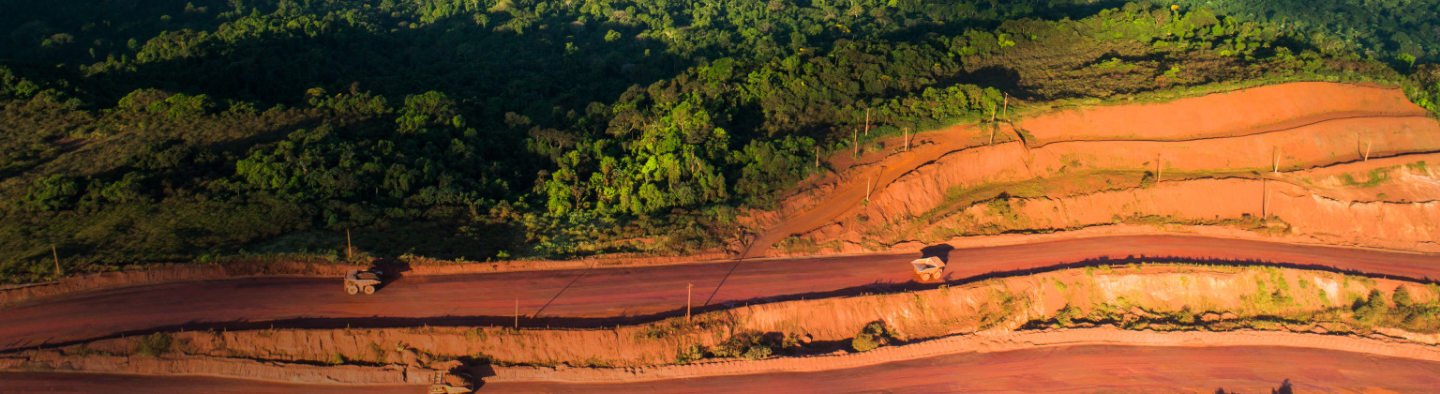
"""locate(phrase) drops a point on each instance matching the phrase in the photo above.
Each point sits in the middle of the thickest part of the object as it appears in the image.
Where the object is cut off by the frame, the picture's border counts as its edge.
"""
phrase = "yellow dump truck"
(357, 281)
(929, 270)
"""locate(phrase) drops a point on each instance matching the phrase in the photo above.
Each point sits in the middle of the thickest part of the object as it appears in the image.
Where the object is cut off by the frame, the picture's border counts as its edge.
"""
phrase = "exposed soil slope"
(1337, 110)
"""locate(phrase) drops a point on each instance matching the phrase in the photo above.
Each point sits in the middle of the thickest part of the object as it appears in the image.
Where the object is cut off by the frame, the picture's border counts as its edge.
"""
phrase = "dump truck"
(929, 269)
(357, 281)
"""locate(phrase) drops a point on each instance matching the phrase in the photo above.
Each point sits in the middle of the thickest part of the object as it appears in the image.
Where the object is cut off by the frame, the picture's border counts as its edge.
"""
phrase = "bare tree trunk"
(1006, 113)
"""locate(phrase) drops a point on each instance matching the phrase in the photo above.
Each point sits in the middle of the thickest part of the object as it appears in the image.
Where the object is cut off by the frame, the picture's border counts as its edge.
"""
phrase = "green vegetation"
(153, 345)
(751, 345)
(176, 131)
(873, 336)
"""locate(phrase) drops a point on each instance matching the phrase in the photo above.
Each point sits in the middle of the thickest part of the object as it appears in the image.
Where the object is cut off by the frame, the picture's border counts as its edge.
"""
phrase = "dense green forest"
(138, 131)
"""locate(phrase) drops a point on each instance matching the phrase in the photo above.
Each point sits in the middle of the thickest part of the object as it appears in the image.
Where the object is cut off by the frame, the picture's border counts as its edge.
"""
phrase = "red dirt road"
(1080, 369)
(603, 293)
(112, 384)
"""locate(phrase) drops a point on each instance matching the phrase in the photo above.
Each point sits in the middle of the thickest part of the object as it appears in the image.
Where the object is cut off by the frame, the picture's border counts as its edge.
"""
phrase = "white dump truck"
(929, 269)
(357, 281)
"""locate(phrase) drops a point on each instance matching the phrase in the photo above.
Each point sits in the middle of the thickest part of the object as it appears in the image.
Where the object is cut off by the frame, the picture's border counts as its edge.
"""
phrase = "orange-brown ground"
(915, 196)
(590, 297)
(1084, 369)
(1081, 369)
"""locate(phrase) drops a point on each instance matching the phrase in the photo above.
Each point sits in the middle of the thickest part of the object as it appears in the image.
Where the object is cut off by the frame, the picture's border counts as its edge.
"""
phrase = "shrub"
(153, 345)
(689, 353)
(1402, 297)
(874, 335)
(751, 345)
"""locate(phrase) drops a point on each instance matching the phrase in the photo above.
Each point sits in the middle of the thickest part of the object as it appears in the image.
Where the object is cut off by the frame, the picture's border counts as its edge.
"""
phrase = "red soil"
(1080, 369)
(604, 293)
(1413, 226)
(1222, 114)
(51, 382)
(1290, 106)
(1324, 144)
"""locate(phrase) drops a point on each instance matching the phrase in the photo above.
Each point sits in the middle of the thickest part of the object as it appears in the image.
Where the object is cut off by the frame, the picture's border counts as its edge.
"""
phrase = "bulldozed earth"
(1309, 165)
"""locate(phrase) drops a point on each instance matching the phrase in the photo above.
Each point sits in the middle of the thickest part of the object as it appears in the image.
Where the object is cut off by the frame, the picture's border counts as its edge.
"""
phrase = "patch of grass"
(153, 345)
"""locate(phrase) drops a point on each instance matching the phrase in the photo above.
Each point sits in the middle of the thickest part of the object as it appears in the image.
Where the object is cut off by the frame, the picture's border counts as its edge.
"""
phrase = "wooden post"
(856, 141)
(867, 122)
(1277, 160)
(1159, 170)
(867, 189)
(1264, 198)
(687, 300)
(349, 247)
(1268, 195)
(57, 260)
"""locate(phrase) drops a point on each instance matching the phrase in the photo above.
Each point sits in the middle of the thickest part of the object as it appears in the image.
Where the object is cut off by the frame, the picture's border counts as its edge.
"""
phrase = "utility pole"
(1006, 112)
(817, 157)
(1264, 198)
(856, 141)
(867, 122)
(1277, 160)
(57, 260)
(687, 300)
(349, 247)
(906, 130)
(1159, 170)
